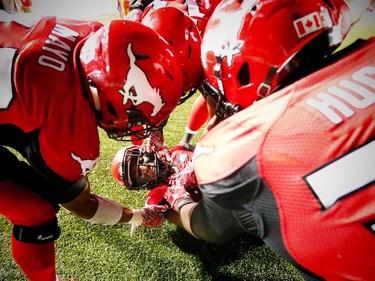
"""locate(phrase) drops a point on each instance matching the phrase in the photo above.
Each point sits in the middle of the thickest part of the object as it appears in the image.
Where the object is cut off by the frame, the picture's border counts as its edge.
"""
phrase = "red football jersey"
(314, 146)
(41, 90)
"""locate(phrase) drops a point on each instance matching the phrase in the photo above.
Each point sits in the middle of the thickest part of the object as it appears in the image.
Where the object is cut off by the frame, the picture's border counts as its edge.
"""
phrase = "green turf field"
(95, 252)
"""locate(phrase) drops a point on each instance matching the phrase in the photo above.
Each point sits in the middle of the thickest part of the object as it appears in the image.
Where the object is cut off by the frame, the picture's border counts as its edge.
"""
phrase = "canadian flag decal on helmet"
(308, 24)
(137, 88)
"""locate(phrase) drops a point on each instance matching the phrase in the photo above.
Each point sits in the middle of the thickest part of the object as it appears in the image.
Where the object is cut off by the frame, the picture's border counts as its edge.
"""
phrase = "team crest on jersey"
(137, 87)
(86, 164)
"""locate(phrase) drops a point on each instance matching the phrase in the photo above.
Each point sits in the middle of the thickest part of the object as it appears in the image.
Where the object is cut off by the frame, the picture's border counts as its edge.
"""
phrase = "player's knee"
(41, 234)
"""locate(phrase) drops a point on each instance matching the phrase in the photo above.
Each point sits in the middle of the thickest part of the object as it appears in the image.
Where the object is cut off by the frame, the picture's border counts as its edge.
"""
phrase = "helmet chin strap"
(276, 74)
(217, 72)
(265, 87)
(95, 97)
(223, 108)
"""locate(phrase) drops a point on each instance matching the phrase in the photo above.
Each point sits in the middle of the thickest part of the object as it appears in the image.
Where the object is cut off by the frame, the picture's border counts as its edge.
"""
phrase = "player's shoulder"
(84, 27)
(225, 148)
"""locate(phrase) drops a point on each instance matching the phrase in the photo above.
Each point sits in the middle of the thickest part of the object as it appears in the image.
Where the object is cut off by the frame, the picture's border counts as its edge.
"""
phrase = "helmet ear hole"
(190, 50)
(243, 75)
(111, 109)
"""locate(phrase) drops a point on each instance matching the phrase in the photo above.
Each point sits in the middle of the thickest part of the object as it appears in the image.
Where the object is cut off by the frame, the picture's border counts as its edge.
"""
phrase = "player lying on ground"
(155, 167)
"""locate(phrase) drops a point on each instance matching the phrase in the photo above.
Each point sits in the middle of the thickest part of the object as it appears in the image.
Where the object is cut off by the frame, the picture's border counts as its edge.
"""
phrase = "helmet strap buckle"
(265, 87)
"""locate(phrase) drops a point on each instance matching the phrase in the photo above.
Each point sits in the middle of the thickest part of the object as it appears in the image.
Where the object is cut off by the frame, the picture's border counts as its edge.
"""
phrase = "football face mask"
(141, 169)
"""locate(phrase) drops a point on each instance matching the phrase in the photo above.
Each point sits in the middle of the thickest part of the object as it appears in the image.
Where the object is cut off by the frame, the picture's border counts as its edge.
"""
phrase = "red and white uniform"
(47, 96)
(297, 169)
(46, 116)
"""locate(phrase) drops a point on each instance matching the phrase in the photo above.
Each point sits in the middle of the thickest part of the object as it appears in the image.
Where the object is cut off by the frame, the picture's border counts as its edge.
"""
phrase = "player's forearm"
(173, 217)
(185, 217)
(89, 206)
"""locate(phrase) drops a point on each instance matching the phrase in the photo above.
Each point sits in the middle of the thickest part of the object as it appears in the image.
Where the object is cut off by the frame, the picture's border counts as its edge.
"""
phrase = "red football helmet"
(180, 31)
(136, 168)
(134, 77)
(251, 47)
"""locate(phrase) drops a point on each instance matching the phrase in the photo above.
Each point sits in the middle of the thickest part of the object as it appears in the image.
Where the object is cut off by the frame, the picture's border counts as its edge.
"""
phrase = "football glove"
(177, 196)
(150, 215)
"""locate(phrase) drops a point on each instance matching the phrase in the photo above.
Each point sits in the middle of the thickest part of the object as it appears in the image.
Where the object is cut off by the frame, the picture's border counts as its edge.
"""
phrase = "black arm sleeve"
(225, 210)
(214, 224)
(241, 203)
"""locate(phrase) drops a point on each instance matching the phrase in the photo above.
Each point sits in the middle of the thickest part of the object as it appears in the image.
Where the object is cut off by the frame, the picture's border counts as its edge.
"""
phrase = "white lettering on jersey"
(6, 59)
(137, 88)
(56, 46)
(86, 165)
(341, 100)
(344, 176)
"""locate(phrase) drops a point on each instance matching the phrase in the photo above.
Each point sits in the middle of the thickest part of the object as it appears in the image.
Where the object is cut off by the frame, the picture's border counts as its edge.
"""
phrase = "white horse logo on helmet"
(230, 44)
(137, 88)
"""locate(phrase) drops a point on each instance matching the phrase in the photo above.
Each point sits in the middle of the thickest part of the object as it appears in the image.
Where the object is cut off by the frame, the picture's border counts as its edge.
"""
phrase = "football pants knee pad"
(41, 234)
